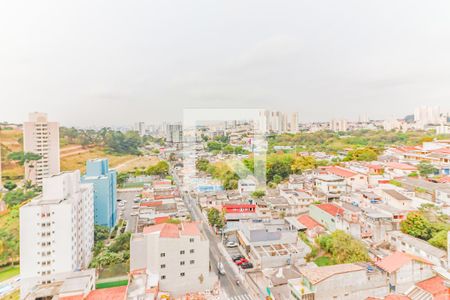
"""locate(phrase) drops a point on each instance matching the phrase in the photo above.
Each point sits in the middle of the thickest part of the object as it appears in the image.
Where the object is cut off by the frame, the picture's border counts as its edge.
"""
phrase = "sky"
(113, 63)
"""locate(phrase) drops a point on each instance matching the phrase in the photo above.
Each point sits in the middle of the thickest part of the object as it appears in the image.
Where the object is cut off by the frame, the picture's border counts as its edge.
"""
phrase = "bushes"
(343, 248)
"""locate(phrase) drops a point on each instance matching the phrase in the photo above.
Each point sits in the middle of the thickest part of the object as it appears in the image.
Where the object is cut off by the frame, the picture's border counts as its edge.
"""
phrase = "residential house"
(328, 214)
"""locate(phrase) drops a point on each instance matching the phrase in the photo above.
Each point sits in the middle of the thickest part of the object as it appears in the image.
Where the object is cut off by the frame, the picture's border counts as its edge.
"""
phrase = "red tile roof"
(445, 179)
(114, 293)
(341, 172)
(442, 151)
(435, 286)
(401, 166)
(75, 297)
(391, 297)
(151, 203)
(331, 209)
(167, 230)
(397, 260)
(160, 220)
(308, 222)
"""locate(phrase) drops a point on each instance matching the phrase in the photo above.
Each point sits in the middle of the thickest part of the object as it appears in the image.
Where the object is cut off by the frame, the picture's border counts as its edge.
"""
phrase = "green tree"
(216, 218)
(439, 239)
(303, 163)
(417, 225)
(343, 248)
(362, 154)
(122, 178)
(101, 233)
(18, 196)
(161, 169)
(24, 157)
(426, 168)
(258, 194)
(121, 243)
(202, 164)
(9, 185)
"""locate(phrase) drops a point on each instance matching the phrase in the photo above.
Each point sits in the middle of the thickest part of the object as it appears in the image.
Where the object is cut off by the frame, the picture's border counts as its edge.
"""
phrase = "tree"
(343, 248)
(101, 233)
(258, 194)
(18, 196)
(426, 168)
(122, 178)
(161, 169)
(439, 239)
(9, 185)
(121, 243)
(303, 163)
(202, 164)
(24, 157)
(215, 218)
(362, 154)
(417, 225)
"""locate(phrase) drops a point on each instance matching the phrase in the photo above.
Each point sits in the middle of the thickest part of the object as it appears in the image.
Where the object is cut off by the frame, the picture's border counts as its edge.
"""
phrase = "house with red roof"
(328, 215)
(436, 288)
(397, 169)
(313, 228)
(353, 179)
(403, 270)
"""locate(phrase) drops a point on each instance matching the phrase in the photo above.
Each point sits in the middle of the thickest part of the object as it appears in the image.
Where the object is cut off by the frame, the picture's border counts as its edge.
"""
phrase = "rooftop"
(167, 230)
(316, 275)
(435, 286)
(396, 195)
(308, 222)
(331, 209)
(397, 260)
(114, 293)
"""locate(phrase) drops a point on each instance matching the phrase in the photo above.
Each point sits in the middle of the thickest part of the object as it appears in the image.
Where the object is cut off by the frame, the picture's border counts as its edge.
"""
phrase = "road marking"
(241, 297)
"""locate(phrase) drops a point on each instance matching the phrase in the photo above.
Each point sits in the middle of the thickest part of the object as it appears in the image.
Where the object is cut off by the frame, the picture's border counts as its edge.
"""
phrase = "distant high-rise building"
(56, 230)
(293, 122)
(41, 137)
(104, 181)
(279, 122)
(174, 133)
(141, 128)
(427, 115)
(338, 125)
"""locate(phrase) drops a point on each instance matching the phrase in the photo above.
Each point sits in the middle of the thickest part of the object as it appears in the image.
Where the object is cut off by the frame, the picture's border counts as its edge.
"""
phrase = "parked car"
(237, 257)
(240, 262)
(137, 200)
(231, 244)
(134, 214)
(135, 206)
(247, 265)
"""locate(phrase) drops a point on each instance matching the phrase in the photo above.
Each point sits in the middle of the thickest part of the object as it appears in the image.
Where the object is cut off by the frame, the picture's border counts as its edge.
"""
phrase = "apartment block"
(177, 253)
(56, 230)
(105, 191)
(41, 137)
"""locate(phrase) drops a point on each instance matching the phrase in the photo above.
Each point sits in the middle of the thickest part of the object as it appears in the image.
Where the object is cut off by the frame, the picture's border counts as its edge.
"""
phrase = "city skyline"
(149, 61)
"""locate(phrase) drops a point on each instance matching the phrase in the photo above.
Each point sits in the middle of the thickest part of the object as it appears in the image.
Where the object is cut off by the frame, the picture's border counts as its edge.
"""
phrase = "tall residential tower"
(41, 137)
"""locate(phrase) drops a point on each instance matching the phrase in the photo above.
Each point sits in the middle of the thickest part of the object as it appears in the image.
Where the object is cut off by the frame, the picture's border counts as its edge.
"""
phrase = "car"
(237, 257)
(247, 265)
(220, 268)
(231, 244)
(134, 214)
(135, 206)
(240, 262)
(137, 200)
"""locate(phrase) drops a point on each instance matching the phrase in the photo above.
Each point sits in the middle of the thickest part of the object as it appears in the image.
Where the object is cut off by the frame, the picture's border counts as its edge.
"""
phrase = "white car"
(231, 244)
(220, 268)
(135, 206)
(134, 214)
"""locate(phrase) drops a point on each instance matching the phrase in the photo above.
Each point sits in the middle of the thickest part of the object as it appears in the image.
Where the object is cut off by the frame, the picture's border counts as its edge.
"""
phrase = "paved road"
(128, 208)
(227, 281)
(9, 285)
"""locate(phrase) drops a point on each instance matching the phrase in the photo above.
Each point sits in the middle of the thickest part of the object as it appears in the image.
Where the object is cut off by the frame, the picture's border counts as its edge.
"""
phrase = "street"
(128, 195)
(229, 288)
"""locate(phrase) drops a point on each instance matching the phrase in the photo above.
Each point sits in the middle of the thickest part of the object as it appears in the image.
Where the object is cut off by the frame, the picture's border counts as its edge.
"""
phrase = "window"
(192, 262)
(163, 266)
(191, 240)
(191, 251)
(163, 255)
(181, 263)
(182, 274)
(163, 277)
(182, 252)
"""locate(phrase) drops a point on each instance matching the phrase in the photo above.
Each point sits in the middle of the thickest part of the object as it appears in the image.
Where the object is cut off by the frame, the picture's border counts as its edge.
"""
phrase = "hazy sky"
(89, 62)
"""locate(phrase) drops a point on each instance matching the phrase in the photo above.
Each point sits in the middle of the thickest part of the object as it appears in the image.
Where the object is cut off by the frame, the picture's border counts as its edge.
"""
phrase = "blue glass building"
(105, 191)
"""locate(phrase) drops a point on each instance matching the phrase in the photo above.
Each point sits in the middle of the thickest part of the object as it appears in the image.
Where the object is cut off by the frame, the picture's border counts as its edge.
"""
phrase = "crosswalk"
(241, 297)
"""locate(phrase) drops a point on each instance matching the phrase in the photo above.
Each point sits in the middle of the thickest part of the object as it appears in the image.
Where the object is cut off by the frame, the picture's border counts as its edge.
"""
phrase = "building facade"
(176, 253)
(104, 181)
(56, 230)
(41, 137)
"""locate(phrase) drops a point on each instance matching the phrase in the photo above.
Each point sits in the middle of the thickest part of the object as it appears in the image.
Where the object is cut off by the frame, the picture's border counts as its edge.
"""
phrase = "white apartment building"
(178, 254)
(56, 230)
(41, 137)
(339, 125)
